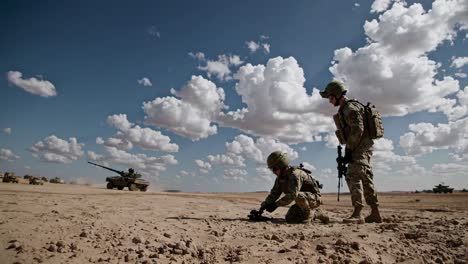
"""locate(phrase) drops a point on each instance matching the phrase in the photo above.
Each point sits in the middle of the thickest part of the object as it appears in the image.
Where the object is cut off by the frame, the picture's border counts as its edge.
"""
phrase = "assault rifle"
(256, 215)
(341, 169)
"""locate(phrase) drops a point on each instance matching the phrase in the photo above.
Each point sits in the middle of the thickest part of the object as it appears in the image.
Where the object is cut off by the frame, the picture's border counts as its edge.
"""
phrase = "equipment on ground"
(256, 216)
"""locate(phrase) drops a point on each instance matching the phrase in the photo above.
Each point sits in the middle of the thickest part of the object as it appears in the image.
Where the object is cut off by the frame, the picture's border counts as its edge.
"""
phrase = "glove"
(348, 157)
(271, 207)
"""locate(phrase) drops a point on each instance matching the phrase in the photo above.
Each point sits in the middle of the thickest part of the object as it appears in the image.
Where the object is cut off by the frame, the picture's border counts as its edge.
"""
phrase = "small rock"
(167, 235)
(83, 234)
(38, 259)
(60, 244)
(355, 245)
(178, 251)
(341, 242)
(321, 247)
(73, 246)
(14, 245)
(52, 248)
(181, 245)
(277, 238)
(454, 243)
(300, 245)
(365, 261)
(284, 250)
(412, 235)
(138, 239)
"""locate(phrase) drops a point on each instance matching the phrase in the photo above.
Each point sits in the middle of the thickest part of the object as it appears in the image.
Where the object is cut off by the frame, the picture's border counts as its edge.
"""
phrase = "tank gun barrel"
(121, 173)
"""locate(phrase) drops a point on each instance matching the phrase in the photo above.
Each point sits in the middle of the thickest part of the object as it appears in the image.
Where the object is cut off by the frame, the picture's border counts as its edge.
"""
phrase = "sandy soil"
(57, 223)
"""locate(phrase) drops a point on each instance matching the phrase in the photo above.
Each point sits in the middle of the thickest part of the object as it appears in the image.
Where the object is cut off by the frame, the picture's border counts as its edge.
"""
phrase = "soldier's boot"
(374, 216)
(322, 216)
(355, 217)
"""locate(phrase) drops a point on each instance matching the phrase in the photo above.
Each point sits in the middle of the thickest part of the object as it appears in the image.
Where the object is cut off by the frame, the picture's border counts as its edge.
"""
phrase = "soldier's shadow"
(246, 219)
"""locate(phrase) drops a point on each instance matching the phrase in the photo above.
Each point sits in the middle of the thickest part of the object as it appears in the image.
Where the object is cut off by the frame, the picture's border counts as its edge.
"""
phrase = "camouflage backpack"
(316, 186)
(373, 121)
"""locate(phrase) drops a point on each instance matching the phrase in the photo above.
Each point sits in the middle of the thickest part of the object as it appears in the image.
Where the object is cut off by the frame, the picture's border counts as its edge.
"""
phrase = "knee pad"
(296, 214)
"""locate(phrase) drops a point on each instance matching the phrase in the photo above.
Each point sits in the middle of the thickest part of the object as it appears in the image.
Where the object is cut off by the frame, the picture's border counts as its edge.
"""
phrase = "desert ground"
(63, 223)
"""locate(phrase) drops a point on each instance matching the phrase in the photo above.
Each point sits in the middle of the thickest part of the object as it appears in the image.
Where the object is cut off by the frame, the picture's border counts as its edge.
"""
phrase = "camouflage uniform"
(351, 116)
(299, 187)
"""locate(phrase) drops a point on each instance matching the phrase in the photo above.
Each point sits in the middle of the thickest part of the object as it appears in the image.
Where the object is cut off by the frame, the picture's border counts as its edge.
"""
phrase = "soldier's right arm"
(275, 193)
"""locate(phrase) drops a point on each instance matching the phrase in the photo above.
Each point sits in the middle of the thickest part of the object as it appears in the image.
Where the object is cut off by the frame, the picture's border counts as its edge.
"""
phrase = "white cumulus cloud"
(131, 134)
(261, 45)
(237, 175)
(8, 155)
(277, 104)
(393, 71)
(204, 167)
(149, 166)
(380, 5)
(190, 116)
(31, 85)
(7, 130)
(258, 150)
(56, 150)
(425, 138)
(252, 45)
(229, 159)
(459, 62)
(145, 81)
(198, 55)
(221, 67)
(460, 74)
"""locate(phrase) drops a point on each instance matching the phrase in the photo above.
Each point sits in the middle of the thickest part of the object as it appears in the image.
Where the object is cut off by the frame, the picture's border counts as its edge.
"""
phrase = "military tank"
(57, 180)
(442, 189)
(36, 180)
(10, 177)
(130, 179)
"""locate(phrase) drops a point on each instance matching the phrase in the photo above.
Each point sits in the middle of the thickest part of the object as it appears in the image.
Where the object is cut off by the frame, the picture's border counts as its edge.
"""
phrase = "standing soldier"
(298, 186)
(352, 132)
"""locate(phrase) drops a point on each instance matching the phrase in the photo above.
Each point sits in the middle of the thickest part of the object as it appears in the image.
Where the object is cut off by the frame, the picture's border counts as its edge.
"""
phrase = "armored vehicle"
(35, 180)
(128, 179)
(442, 189)
(56, 180)
(10, 177)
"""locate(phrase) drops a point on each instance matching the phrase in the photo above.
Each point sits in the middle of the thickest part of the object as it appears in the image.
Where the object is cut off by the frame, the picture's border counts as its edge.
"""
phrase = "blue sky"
(196, 95)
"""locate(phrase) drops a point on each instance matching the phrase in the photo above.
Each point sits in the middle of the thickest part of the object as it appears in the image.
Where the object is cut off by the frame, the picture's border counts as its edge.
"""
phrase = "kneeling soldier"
(297, 185)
